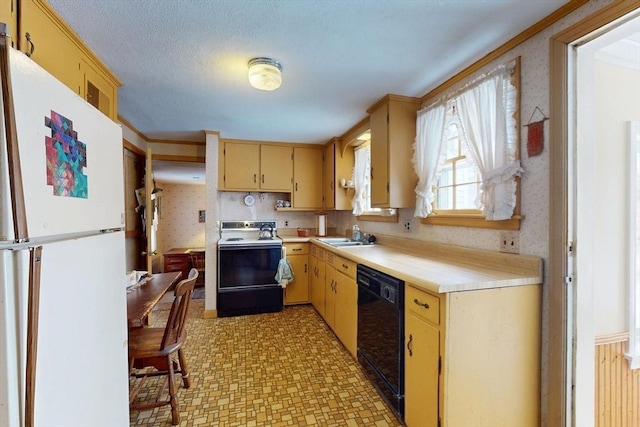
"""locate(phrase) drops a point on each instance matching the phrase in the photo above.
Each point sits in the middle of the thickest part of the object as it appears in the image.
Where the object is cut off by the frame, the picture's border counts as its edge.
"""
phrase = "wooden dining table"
(142, 298)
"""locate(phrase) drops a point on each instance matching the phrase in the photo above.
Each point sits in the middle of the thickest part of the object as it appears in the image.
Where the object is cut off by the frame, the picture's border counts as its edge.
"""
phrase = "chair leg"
(183, 368)
(173, 399)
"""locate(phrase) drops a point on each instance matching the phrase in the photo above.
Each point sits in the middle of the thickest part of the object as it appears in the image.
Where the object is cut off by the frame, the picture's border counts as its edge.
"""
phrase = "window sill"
(473, 221)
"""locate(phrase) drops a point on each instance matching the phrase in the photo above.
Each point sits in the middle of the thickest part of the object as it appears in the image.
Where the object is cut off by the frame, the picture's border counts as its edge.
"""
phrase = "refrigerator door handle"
(35, 257)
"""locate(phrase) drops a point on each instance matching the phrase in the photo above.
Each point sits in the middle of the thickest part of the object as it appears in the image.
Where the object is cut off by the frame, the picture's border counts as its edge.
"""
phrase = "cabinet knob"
(254, 177)
(421, 304)
(409, 346)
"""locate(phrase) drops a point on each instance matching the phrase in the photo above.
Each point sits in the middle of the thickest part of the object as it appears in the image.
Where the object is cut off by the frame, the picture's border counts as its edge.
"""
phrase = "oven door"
(247, 266)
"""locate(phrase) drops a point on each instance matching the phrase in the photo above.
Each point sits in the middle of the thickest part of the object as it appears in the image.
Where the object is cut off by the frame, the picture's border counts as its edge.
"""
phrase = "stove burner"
(234, 239)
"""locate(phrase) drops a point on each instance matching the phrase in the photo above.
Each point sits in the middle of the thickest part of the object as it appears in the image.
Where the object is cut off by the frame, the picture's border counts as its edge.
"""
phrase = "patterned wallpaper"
(178, 226)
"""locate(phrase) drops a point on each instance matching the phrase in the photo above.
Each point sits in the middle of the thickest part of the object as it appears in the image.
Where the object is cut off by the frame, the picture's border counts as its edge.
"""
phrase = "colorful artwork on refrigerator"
(66, 158)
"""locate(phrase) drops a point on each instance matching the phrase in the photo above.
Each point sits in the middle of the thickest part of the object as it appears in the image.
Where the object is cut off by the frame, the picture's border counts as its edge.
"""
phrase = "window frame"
(477, 220)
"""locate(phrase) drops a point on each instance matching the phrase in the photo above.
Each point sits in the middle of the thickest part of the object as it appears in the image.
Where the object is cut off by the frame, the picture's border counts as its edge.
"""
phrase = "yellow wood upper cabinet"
(59, 50)
(252, 166)
(337, 165)
(307, 177)
(9, 16)
(393, 130)
(276, 167)
(469, 350)
(329, 176)
(241, 166)
(297, 292)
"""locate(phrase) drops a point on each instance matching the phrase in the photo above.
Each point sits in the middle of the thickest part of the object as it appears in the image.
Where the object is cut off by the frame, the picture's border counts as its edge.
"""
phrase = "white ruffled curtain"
(486, 113)
(428, 156)
(361, 178)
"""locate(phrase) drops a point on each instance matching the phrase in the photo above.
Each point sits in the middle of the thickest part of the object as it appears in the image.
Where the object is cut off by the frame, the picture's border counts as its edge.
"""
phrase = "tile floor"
(277, 369)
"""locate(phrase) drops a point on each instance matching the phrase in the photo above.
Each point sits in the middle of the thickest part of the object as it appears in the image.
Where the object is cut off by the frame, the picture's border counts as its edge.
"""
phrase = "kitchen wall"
(232, 207)
(178, 225)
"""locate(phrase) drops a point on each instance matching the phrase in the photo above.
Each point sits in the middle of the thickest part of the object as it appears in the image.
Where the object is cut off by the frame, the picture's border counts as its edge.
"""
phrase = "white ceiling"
(183, 63)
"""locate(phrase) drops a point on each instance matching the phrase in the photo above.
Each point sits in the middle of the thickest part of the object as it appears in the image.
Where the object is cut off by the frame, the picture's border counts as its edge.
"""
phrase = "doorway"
(587, 272)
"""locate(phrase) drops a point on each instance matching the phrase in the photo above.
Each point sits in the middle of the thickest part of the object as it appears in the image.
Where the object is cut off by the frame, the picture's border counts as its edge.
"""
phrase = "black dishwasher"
(381, 333)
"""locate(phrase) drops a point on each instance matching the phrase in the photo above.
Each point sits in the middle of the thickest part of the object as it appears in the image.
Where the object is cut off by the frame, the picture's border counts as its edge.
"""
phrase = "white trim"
(633, 348)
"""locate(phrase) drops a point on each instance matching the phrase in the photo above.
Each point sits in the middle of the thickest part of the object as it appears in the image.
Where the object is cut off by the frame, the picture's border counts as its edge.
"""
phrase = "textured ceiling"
(183, 63)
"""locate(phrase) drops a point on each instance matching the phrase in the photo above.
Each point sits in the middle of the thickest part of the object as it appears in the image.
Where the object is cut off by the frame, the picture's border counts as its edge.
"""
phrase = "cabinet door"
(307, 177)
(276, 167)
(297, 291)
(241, 166)
(346, 312)
(379, 157)
(329, 176)
(8, 15)
(54, 50)
(318, 286)
(97, 90)
(330, 296)
(421, 355)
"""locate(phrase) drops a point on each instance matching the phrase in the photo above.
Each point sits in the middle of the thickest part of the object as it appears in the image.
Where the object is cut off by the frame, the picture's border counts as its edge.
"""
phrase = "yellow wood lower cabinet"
(488, 343)
(297, 292)
(317, 282)
(421, 355)
(346, 311)
(341, 300)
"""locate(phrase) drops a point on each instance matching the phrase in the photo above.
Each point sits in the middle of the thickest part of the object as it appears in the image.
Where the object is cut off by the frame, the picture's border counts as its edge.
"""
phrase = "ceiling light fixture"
(265, 73)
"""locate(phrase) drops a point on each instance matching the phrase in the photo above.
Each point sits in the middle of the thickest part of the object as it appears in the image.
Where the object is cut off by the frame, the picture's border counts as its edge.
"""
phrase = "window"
(467, 154)
(457, 187)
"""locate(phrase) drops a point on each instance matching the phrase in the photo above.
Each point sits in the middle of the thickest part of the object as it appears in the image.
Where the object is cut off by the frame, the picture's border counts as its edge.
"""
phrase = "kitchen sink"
(342, 241)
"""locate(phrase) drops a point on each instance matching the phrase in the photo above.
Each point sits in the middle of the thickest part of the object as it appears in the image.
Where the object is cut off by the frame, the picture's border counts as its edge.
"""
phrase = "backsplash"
(231, 206)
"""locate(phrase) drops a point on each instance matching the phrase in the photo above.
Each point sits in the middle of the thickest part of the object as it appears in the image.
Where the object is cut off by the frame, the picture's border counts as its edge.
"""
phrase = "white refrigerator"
(72, 178)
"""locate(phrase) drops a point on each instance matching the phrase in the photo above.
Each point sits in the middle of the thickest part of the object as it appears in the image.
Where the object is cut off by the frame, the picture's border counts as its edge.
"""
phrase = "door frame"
(559, 397)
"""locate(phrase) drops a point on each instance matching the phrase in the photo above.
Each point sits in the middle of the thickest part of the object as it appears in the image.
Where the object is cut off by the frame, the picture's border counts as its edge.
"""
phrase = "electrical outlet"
(286, 223)
(510, 242)
(407, 226)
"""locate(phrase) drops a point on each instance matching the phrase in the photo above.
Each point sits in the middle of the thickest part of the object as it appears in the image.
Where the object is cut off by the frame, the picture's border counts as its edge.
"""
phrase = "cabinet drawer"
(297, 248)
(423, 304)
(345, 266)
(175, 263)
(317, 252)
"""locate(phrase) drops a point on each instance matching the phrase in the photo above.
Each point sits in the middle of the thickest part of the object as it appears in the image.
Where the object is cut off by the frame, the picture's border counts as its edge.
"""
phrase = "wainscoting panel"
(617, 387)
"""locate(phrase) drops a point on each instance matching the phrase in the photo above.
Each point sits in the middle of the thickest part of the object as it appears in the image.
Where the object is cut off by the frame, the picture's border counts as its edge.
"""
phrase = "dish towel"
(284, 275)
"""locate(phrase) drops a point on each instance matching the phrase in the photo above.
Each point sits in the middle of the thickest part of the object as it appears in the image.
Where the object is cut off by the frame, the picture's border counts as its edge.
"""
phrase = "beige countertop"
(437, 267)
(182, 251)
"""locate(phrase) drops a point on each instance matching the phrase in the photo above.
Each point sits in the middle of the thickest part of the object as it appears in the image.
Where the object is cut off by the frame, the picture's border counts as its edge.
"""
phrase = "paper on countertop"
(135, 277)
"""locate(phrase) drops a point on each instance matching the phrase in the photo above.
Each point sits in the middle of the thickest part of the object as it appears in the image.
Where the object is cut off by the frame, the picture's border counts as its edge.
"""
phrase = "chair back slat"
(179, 308)
(197, 260)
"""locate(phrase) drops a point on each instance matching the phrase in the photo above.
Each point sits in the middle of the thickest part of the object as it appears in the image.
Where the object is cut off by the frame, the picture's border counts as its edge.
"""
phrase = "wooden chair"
(156, 347)
(197, 261)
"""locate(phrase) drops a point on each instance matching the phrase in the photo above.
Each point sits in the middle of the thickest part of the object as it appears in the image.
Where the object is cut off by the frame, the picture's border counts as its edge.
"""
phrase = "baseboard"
(210, 314)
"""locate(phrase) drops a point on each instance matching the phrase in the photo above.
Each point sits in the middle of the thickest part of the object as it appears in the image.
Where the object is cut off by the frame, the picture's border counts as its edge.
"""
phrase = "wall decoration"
(535, 134)
(66, 158)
